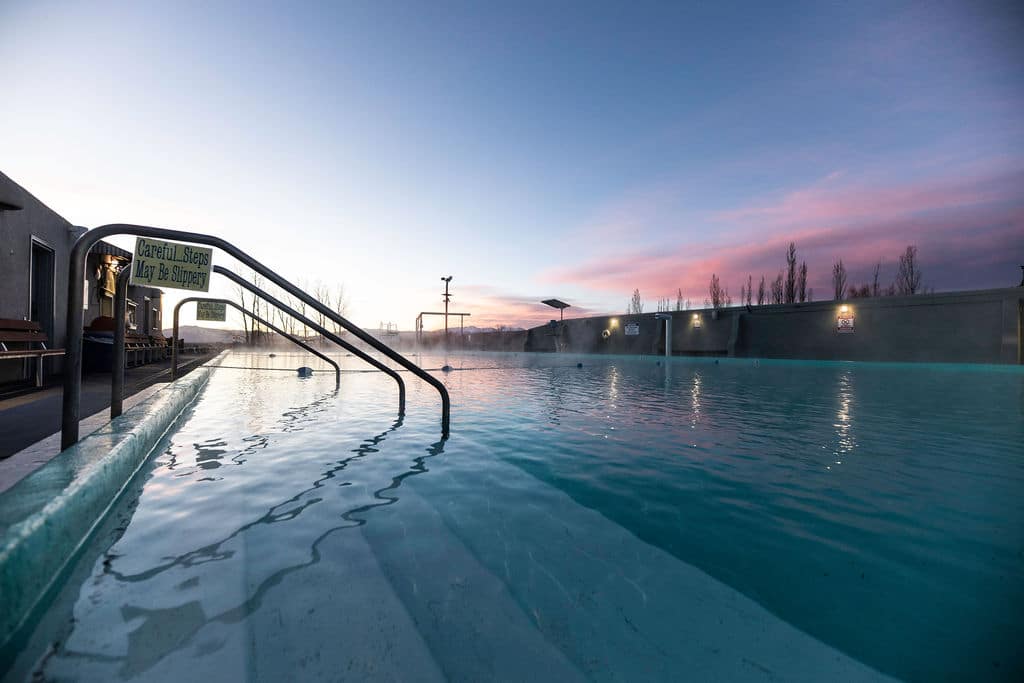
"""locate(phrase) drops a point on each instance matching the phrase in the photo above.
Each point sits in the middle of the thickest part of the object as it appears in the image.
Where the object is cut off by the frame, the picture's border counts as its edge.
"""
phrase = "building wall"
(17, 228)
(958, 327)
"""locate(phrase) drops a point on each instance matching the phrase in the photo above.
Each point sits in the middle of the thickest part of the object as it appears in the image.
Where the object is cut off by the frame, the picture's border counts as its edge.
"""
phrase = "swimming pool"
(630, 519)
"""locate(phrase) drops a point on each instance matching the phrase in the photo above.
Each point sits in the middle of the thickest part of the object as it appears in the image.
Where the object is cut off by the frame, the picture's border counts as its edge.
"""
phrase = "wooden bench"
(27, 333)
(151, 348)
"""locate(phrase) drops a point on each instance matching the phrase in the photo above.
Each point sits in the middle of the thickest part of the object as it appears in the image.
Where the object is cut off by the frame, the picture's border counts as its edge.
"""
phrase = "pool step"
(615, 606)
(468, 618)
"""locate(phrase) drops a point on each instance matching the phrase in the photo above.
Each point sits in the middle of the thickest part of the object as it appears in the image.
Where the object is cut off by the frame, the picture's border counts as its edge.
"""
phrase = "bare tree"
(875, 291)
(801, 283)
(908, 276)
(664, 304)
(778, 290)
(810, 294)
(679, 299)
(636, 304)
(338, 304)
(839, 280)
(246, 323)
(790, 292)
(762, 294)
(715, 290)
(750, 288)
(728, 298)
(300, 306)
(323, 295)
(255, 308)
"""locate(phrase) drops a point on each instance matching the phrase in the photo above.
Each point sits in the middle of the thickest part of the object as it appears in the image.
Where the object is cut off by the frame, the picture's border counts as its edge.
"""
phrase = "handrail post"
(268, 325)
(71, 399)
(174, 341)
(117, 361)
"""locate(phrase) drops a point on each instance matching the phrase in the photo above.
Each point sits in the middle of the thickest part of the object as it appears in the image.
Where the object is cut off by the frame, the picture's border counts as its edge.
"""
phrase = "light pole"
(447, 298)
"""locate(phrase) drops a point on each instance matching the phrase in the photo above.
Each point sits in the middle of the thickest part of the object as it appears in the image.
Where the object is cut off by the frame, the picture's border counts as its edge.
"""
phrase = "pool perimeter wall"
(46, 518)
(982, 326)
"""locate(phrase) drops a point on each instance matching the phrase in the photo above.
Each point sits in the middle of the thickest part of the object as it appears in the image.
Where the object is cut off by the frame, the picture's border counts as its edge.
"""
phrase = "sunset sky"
(532, 149)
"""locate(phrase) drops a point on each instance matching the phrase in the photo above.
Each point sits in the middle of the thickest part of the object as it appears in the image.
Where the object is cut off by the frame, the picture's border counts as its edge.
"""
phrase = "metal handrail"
(71, 407)
(308, 322)
(292, 338)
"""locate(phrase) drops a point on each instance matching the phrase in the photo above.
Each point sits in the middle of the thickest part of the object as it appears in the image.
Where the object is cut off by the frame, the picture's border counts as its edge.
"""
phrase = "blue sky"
(532, 150)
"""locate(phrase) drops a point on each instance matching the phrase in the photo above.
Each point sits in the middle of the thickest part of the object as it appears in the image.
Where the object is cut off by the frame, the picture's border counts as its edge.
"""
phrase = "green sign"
(157, 263)
(211, 311)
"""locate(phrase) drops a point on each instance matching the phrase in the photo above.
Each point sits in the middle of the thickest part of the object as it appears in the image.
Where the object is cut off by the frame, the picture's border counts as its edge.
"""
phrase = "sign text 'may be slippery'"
(157, 263)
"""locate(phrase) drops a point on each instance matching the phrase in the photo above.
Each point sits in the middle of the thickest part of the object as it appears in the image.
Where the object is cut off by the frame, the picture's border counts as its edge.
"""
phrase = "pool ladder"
(71, 407)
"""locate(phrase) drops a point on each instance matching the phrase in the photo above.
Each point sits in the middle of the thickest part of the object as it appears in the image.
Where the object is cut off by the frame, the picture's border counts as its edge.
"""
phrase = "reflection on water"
(153, 633)
(877, 510)
(844, 419)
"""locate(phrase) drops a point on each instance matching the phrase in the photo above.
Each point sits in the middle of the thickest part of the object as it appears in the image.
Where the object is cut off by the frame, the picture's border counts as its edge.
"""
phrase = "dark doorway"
(41, 291)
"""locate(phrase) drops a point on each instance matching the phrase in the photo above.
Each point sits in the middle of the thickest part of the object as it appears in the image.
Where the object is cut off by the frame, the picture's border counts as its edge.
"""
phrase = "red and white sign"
(844, 323)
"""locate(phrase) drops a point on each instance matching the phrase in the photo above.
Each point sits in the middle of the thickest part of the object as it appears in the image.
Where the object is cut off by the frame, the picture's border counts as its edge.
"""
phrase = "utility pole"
(447, 298)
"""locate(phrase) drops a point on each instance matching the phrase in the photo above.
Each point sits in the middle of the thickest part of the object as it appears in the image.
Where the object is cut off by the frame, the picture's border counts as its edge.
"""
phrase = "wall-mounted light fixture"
(613, 323)
(844, 321)
(696, 320)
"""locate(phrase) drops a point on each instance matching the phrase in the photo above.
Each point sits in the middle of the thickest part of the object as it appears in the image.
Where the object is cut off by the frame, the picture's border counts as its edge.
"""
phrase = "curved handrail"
(70, 412)
(359, 353)
(261, 321)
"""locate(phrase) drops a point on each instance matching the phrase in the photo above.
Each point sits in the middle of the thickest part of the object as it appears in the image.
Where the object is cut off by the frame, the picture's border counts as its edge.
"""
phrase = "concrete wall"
(17, 228)
(958, 327)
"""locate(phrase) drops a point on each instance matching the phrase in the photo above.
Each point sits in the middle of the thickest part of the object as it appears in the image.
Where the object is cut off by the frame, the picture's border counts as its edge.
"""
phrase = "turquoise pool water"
(627, 520)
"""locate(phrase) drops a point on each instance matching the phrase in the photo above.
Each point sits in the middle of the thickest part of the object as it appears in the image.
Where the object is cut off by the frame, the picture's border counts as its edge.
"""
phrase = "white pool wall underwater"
(48, 516)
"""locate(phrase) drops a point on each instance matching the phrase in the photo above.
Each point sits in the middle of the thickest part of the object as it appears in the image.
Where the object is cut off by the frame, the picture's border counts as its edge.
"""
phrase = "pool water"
(630, 519)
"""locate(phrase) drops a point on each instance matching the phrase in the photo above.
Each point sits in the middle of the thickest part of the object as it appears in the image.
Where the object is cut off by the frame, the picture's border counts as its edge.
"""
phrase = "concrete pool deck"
(30, 418)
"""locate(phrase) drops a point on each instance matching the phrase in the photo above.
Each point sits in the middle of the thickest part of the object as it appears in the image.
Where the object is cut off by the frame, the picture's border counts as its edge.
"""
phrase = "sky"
(532, 150)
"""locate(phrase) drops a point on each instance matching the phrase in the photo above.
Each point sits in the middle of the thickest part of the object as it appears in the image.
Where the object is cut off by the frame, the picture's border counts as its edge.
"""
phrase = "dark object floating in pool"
(716, 362)
(579, 365)
(305, 372)
(273, 355)
(446, 368)
(657, 362)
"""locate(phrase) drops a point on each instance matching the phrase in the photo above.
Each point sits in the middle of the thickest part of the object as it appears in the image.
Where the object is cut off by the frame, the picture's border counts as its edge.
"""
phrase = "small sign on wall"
(844, 323)
(632, 329)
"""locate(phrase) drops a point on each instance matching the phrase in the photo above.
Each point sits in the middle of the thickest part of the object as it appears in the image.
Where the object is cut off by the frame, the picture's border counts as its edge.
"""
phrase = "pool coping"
(47, 517)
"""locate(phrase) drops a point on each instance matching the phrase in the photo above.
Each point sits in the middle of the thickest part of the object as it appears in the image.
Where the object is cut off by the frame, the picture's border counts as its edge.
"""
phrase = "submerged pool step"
(466, 615)
(611, 604)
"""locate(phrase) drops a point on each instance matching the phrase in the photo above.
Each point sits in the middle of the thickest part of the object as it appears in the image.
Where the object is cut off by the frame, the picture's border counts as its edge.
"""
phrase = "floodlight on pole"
(556, 303)
(447, 298)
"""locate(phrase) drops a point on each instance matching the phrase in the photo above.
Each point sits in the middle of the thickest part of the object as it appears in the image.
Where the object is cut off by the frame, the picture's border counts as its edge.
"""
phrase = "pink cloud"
(968, 231)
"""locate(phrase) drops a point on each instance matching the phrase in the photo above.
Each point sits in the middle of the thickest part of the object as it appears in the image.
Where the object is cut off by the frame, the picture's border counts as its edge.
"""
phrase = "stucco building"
(35, 245)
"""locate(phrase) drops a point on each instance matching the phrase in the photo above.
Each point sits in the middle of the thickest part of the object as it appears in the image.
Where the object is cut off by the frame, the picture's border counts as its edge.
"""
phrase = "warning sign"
(632, 329)
(211, 310)
(844, 324)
